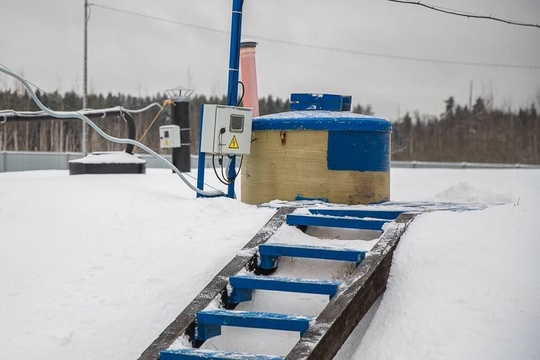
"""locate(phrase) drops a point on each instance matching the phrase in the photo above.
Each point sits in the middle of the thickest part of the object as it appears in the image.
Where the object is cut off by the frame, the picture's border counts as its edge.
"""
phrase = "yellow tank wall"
(299, 168)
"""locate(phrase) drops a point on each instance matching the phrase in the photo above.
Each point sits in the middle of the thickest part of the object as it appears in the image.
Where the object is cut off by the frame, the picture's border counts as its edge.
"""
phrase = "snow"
(321, 114)
(474, 292)
(96, 266)
(112, 157)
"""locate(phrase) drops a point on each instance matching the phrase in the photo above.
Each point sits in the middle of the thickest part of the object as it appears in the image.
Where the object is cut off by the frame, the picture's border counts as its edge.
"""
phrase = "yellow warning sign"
(234, 143)
(166, 142)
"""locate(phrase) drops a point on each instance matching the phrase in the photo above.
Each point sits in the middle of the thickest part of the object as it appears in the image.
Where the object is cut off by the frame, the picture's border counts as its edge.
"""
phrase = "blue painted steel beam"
(336, 221)
(243, 285)
(232, 92)
(209, 322)
(375, 214)
(269, 254)
(194, 354)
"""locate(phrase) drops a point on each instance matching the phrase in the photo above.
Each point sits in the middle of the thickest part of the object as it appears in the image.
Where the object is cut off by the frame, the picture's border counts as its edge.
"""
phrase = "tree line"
(478, 133)
(66, 135)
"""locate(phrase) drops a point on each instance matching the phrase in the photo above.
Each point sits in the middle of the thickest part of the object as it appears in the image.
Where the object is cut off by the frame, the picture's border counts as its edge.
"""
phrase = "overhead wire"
(329, 48)
(134, 13)
(466, 14)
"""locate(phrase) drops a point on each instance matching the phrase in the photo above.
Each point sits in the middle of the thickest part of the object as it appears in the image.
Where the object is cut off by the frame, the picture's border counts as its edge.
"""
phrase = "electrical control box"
(169, 136)
(226, 130)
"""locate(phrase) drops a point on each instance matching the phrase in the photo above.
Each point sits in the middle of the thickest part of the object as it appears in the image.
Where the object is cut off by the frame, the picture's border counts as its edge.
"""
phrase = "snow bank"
(462, 285)
(96, 266)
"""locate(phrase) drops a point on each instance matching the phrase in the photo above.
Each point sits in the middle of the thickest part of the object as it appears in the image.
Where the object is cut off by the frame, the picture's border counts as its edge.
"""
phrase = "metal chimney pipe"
(248, 70)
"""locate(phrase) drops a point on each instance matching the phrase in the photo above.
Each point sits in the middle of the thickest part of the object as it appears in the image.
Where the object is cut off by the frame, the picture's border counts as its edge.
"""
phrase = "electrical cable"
(194, 178)
(85, 112)
(136, 111)
(70, 108)
(75, 114)
(466, 14)
(225, 177)
(224, 182)
(330, 48)
(243, 92)
(200, 27)
(239, 168)
(231, 180)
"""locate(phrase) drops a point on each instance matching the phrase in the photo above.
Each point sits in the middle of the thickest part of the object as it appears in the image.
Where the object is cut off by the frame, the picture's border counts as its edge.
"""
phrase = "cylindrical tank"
(334, 156)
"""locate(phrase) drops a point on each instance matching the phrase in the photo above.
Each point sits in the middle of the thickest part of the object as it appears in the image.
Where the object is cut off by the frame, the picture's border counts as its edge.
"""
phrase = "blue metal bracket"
(242, 286)
(209, 322)
(270, 253)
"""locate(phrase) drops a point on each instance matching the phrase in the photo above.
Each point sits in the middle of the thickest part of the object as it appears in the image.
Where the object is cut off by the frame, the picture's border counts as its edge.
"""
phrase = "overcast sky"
(44, 41)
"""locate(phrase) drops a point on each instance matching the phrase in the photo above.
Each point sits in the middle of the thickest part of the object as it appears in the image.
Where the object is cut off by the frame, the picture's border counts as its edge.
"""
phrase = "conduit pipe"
(75, 114)
(12, 116)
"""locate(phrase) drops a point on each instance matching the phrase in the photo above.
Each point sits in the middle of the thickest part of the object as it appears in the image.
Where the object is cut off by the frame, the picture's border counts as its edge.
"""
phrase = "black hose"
(132, 131)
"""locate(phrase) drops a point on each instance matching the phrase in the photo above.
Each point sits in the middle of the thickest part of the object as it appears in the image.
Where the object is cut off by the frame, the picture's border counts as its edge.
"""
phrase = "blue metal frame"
(209, 322)
(269, 254)
(232, 93)
(242, 286)
(337, 221)
(193, 354)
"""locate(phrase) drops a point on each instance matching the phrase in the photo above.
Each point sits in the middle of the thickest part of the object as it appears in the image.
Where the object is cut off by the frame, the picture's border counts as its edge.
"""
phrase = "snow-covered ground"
(96, 266)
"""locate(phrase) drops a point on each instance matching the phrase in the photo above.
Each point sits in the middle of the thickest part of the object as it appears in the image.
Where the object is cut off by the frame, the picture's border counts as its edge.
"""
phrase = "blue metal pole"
(234, 69)
(201, 164)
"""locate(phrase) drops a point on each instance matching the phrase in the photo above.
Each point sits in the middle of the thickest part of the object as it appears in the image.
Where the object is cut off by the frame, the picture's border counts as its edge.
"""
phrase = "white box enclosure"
(226, 130)
(169, 136)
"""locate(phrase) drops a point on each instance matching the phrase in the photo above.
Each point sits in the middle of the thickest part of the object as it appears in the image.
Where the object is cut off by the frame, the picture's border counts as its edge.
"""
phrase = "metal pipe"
(248, 68)
(85, 76)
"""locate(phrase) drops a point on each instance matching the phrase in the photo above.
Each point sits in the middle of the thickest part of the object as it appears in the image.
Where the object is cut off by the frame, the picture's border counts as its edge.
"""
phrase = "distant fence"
(30, 160)
(33, 160)
(459, 165)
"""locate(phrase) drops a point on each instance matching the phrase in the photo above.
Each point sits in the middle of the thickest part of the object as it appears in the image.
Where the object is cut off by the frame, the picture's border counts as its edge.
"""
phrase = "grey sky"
(44, 40)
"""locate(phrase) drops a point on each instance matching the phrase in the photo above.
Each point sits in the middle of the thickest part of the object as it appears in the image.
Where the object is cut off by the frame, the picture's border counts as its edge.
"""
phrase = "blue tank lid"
(321, 120)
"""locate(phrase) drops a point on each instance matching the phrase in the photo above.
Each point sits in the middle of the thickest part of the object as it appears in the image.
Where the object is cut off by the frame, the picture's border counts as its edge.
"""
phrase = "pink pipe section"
(248, 72)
